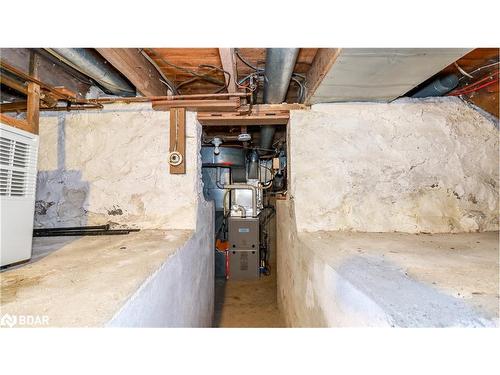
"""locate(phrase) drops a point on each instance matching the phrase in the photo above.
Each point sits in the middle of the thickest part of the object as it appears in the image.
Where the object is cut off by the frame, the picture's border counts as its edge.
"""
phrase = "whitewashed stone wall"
(408, 166)
(110, 166)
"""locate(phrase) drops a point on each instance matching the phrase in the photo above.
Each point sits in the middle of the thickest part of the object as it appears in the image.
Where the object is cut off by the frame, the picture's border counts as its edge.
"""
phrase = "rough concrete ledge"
(337, 279)
(85, 280)
(152, 278)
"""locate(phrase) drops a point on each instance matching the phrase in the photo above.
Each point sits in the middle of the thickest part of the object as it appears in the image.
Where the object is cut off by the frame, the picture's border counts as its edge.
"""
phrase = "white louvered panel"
(18, 167)
(18, 157)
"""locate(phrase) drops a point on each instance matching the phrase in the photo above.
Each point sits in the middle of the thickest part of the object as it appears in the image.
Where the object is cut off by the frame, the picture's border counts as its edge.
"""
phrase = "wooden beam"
(47, 97)
(238, 119)
(16, 123)
(13, 84)
(14, 107)
(29, 78)
(198, 105)
(66, 91)
(266, 108)
(229, 65)
(33, 110)
(178, 138)
(138, 70)
(321, 65)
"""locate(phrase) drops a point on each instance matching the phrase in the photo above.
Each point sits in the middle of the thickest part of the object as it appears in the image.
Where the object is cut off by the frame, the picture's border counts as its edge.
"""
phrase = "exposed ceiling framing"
(137, 69)
(331, 74)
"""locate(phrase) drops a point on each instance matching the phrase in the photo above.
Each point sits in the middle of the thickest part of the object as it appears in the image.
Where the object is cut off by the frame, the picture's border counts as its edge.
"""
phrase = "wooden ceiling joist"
(13, 84)
(57, 92)
(321, 65)
(136, 68)
(229, 65)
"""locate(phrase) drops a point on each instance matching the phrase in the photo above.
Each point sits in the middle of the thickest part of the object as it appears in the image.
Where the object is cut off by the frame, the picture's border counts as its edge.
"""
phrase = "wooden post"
(178, 138)
(33, 110)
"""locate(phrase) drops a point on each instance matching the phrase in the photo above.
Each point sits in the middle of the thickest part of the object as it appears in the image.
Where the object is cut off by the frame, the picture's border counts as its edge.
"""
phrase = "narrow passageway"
(250, 303)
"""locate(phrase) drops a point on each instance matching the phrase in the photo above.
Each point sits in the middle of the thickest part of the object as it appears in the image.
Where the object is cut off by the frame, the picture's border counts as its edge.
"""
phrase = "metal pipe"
(242, 209)
(90, 227)
(75, 233)
(280, 63)
(246, 187)
(253, 165)
(171, 97)
(93, 65)
(438, 87)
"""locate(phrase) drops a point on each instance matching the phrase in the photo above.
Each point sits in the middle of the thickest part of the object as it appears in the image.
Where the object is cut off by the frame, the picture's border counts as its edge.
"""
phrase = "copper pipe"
(142, 99)
(60, 95)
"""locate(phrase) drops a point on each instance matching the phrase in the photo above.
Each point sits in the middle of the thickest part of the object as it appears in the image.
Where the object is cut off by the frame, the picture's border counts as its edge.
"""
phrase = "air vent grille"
(17, 172)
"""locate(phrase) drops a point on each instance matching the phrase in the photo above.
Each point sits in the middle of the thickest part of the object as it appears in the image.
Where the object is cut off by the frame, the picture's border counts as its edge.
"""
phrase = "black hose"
(237, 53)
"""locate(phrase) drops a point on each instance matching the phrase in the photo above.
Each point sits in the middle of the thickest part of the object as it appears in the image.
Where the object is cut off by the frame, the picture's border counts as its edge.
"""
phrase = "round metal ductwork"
(92, 64)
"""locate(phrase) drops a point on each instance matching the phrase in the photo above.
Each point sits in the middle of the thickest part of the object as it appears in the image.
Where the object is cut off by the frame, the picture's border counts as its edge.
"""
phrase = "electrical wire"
(478, 69)
(237, 53)
(300, 95)
(265, 176)
(165, 80)
(224, 72)
(474, 89)
(474, 86)
(462, 71)
(205, 77)
(191, 80)
(260, 71)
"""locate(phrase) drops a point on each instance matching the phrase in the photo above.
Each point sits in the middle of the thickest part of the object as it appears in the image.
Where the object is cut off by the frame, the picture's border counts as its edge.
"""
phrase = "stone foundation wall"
(407, 166)
(110, 166)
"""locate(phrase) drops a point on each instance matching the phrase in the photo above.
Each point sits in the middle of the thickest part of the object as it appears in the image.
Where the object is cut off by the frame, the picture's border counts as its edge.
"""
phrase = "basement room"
(248, 187)
(265, 187)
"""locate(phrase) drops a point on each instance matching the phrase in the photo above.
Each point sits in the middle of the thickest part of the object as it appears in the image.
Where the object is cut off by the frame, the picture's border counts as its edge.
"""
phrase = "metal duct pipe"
(438, 87)
(253, 165)
(93, 65)
(277, 75)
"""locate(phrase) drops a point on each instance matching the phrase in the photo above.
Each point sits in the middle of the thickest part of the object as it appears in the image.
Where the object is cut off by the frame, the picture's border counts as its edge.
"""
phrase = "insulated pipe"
(93, 65)
(246, 187)
(280, 63)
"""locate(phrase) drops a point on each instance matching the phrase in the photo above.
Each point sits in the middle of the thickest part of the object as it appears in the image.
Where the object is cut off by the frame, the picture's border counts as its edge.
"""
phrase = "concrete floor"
(250, 304)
